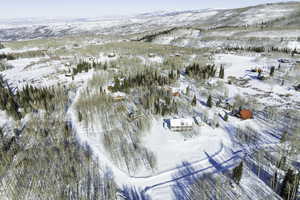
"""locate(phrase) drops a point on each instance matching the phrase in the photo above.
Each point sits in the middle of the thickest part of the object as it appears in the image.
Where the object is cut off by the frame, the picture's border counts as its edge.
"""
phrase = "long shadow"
(132, 193)
(180, 188)
(262, 174)
(218, 166)
(187, 176)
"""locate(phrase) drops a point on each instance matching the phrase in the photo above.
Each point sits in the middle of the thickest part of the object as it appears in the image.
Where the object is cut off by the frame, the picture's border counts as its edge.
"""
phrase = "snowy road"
(221, 160)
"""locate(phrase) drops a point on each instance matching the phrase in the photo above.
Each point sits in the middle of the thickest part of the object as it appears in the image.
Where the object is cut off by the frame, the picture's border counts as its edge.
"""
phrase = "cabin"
(151, 55)
(181, 124)
(111, 55)
(245, 114)
(118, 96)
(176, 94)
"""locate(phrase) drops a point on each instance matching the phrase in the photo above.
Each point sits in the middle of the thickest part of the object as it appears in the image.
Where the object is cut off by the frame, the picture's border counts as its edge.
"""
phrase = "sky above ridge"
(98, 8)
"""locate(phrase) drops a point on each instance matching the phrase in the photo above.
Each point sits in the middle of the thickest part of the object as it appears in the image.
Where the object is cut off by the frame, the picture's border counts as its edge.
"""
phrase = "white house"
(181, 124)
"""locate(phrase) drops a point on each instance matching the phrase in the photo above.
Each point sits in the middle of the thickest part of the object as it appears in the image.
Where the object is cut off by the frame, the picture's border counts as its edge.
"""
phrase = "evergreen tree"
(209, 101)
(282, 163)
(226, 117)
(188, 91)
(274, 181)
(284, 137)
(237, 173)
(117, 85)
(293, 52)
(272, 70)
(79, 116)
(290, 185)
(194, 101)
(221, 73)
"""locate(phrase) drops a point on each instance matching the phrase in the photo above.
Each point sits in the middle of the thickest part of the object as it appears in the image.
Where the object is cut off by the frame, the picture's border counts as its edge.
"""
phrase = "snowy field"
(120, 125)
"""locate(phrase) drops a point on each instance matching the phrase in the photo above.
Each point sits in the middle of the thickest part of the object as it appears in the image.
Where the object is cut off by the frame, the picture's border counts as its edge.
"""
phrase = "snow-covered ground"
(37, 28)
(211, 148)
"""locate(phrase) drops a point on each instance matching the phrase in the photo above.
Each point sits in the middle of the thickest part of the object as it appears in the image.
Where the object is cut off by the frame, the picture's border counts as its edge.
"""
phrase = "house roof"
(118, 94)
(181, 122)
(246, 114)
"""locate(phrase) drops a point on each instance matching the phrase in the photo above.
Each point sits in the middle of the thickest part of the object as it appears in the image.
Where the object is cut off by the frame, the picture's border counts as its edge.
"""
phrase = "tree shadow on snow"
(133, 193)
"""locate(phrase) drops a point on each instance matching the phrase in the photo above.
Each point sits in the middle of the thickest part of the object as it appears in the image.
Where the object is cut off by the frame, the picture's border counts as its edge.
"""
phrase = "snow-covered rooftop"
(181, 122)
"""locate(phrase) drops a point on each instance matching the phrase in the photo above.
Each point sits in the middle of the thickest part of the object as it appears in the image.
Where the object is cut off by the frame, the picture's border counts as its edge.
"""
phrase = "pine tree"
(293, 52)
(194, 101)
(188, 91)
(226, 117)
(284, 137)
(209, 101)
(274, 181)
(272, 70)
(282, 163)
(117, 85)
(79, 116)
(289, 185)
(221, 73)
(237, 173)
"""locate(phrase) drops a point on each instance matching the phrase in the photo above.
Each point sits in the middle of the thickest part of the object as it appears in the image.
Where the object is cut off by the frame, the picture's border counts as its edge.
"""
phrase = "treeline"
(147, 78)
(26, 54)
(7, 56)
(260, 49)
(201, 72)
(159, 102)
(29, 99)
(84, 66)
(151, 37)
(1, 46)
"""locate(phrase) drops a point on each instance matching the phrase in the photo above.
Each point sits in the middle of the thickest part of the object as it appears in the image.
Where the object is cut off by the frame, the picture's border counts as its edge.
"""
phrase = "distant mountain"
(281, 14)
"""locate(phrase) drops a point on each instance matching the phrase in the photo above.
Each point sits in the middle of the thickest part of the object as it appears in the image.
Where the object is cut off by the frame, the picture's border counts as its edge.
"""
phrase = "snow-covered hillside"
(38, 28)
(183, 105)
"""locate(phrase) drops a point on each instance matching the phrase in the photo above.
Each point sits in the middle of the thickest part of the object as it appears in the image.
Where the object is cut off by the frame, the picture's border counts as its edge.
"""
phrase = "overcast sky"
(98, 8)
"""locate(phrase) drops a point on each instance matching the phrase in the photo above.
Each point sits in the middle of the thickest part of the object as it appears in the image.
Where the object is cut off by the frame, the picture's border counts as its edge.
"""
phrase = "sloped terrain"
(89, 108)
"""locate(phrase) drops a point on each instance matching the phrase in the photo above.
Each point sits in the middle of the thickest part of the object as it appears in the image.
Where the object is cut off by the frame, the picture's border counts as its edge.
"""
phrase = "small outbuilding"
(245, 114)
(176, 94)
(111, 55)
(118, 96)
(151, 55)
(181, 124)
